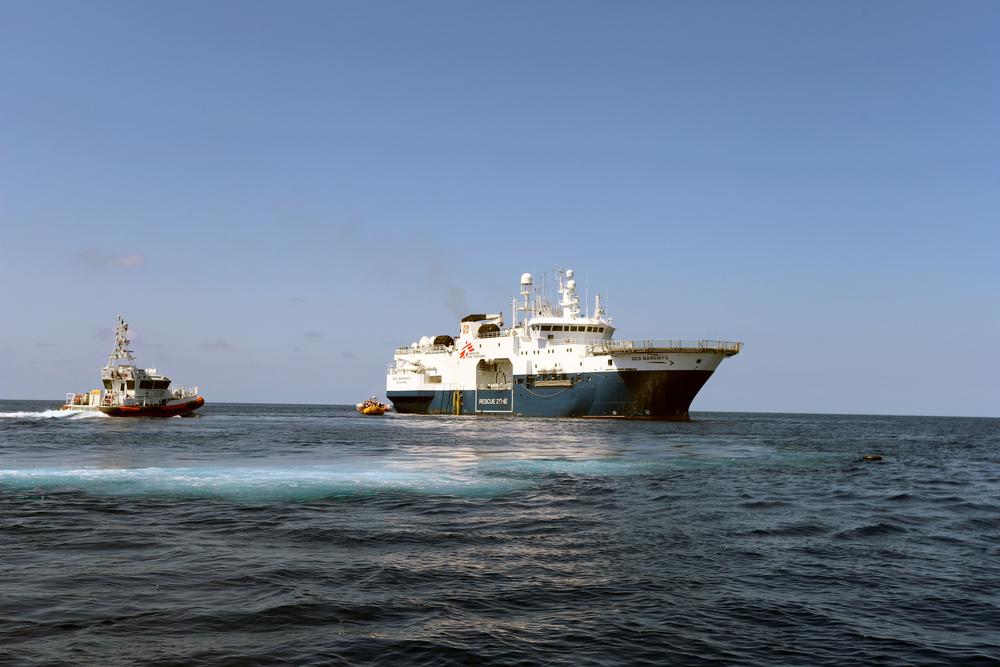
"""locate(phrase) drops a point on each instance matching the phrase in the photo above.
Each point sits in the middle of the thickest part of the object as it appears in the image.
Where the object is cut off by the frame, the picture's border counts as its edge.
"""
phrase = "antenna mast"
(121, 350)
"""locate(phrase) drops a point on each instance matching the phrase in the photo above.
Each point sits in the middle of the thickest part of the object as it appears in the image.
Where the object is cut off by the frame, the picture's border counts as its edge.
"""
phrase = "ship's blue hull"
(633, 394)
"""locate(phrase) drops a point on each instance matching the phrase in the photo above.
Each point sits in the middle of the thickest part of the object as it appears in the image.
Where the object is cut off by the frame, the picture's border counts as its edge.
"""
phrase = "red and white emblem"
(466, 350)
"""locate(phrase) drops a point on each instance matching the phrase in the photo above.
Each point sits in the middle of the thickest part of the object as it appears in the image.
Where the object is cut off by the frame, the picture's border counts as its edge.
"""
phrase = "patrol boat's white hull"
(551, 365)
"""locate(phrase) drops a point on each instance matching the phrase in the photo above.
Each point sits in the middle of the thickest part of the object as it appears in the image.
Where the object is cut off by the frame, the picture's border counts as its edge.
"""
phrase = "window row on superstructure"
(143, 384)
(566, 327)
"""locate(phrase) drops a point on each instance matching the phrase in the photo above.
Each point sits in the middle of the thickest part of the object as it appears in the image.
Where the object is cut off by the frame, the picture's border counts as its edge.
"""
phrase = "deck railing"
(425, 349)
(184, 392)
(495, 386)
(727, 348)
(649, 345)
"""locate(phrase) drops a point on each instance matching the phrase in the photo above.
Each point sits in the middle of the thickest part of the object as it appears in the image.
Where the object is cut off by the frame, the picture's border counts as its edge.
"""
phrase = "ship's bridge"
(576, 329)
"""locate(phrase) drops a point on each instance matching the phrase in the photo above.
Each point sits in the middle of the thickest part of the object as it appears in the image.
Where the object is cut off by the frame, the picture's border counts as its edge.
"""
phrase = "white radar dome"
(525, 278)
(569, 273)
(570, 284)
(424, 341)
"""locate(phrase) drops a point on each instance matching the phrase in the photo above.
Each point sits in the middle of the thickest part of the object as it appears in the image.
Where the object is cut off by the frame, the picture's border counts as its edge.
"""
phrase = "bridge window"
(546, 327)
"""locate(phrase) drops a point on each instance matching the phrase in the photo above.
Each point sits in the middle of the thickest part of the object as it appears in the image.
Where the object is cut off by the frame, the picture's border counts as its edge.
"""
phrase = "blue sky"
(277, 194)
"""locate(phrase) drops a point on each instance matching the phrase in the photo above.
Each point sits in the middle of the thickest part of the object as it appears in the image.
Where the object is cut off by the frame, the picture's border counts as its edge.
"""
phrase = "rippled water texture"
(311, 535)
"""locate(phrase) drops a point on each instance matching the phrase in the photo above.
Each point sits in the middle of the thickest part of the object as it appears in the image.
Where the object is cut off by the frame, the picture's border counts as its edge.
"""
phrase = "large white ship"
(555, 362)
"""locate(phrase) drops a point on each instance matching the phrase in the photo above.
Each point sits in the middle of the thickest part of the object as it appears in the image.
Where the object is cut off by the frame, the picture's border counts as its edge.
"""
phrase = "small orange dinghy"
(372, 406)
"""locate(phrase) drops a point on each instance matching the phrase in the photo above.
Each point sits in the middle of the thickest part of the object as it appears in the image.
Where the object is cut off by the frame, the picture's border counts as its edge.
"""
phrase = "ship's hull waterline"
(663, 395)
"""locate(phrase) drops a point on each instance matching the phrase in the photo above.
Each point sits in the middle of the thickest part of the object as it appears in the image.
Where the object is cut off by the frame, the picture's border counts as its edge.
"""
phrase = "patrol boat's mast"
(121, 350)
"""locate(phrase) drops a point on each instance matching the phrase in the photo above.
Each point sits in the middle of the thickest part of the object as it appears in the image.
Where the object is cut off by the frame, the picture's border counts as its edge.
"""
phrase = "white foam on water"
(252, 484)
(674, 457)
(54, 414)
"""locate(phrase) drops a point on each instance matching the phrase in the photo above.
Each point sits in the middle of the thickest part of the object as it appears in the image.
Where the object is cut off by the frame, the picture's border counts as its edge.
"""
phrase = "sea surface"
(310, 535)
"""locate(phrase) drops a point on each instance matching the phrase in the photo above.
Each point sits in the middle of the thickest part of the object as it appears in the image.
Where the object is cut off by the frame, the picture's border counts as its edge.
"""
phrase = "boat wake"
(297, 484)
(54, 414)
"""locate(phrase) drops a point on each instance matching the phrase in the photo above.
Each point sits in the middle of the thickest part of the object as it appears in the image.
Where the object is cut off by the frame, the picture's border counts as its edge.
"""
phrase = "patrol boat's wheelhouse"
(555, 362)
(130, 391)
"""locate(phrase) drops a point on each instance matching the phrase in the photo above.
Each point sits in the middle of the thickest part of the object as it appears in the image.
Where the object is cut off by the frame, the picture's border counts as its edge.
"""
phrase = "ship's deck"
(727, 348)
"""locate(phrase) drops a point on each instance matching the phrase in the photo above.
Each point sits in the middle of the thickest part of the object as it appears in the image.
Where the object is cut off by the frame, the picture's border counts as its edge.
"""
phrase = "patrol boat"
(130, 391)
(554, 362)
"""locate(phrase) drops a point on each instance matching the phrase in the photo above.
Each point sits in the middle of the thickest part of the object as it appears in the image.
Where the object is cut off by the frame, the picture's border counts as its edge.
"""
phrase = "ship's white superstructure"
(554, 360)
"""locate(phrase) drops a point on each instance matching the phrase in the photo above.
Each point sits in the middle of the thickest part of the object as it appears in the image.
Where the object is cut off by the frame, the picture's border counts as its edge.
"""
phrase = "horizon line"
(745, 412)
